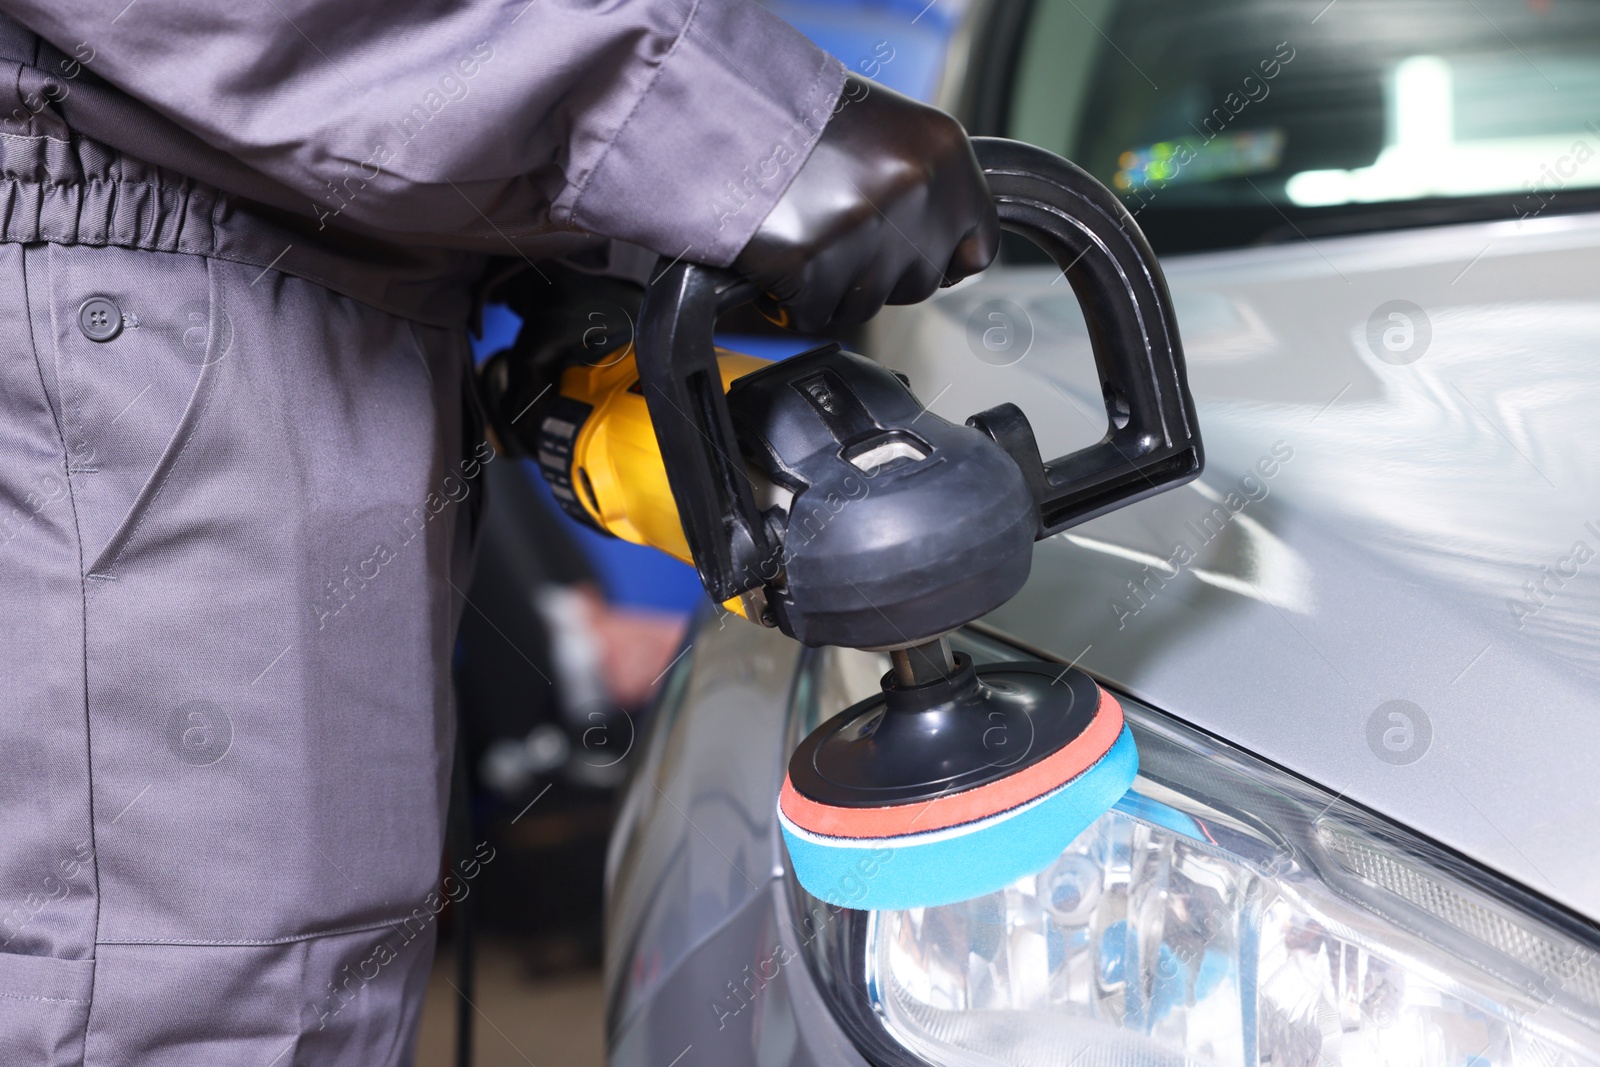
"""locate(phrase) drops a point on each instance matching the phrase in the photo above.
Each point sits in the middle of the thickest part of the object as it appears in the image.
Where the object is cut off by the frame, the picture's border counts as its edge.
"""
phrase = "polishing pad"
(931, 794)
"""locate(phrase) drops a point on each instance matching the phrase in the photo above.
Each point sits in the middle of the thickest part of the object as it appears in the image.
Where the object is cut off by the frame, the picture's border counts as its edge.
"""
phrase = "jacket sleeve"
(673, 124)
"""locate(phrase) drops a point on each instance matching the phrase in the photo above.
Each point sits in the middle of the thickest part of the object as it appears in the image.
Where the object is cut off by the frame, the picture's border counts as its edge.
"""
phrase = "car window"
(1242, 121)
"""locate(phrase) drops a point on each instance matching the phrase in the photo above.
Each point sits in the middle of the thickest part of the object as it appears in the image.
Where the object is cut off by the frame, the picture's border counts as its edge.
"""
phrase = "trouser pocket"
(269, 611)
(136, 342)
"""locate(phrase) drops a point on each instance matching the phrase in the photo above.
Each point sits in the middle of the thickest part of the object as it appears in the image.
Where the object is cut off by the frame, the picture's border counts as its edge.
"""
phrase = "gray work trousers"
(231, 539)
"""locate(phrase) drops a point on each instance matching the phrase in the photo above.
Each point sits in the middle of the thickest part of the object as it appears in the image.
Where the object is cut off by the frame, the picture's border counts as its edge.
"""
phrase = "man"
(239, 461)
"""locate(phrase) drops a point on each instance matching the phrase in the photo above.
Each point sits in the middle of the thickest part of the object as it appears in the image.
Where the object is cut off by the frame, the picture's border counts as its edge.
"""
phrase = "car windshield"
(1249, 121)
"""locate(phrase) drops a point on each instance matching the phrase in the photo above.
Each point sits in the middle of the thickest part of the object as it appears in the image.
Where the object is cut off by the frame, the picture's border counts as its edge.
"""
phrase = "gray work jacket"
(386, 149)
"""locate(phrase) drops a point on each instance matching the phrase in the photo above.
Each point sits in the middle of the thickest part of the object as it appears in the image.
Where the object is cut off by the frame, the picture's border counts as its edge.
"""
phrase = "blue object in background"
(768, 347)
(897, 43)
(500, 326)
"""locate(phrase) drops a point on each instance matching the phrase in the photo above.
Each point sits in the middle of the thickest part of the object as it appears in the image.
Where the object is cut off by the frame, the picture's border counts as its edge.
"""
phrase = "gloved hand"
(889, 205)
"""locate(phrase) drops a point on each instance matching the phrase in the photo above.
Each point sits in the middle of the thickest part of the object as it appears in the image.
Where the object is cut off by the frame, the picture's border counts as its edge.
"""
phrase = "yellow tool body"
(615, 466)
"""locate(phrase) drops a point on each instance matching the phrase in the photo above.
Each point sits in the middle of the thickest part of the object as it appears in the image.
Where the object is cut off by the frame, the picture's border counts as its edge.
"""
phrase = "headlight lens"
(1225, 913)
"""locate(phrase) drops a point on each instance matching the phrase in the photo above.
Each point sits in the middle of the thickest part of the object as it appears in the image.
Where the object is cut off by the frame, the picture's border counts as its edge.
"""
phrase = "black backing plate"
(909, 744)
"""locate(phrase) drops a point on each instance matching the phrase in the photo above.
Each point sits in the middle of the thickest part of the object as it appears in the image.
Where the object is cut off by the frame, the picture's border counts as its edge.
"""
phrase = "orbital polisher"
(817, 495)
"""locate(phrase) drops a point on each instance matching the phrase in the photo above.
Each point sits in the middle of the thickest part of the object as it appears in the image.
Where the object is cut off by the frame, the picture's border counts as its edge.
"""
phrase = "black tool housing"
(900, 525)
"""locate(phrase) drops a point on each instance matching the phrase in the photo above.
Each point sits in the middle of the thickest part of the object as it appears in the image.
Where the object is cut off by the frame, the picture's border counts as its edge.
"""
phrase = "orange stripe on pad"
(968, 805)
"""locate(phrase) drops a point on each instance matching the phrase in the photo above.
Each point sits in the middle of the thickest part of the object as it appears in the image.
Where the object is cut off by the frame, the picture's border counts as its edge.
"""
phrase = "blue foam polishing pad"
(945, 866)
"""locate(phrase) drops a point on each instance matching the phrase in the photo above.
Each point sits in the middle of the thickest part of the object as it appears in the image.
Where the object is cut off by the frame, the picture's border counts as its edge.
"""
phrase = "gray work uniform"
(240, 466)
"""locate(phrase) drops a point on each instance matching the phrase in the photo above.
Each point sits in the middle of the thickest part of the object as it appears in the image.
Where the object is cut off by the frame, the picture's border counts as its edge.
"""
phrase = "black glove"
(889, 205)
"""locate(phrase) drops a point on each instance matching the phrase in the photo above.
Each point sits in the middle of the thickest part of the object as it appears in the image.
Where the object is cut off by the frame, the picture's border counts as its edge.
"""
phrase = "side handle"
(683, 390)
(1152, 442)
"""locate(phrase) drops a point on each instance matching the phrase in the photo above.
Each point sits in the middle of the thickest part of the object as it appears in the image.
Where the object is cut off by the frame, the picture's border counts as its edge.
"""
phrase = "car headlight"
(1225, 913)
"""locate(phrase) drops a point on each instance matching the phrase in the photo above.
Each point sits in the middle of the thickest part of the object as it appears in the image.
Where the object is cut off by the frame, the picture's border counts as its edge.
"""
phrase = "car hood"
(1387, 578)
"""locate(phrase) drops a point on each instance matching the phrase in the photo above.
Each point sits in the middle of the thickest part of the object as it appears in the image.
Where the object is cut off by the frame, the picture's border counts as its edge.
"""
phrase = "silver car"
(1361, 655)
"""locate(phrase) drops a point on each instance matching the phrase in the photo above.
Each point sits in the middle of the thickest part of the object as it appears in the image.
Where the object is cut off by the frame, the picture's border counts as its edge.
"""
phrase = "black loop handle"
(1153, 439)
(1153, 442)
(682, 386)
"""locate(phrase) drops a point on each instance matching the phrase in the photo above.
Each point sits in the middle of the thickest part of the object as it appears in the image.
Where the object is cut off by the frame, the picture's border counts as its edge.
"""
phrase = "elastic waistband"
(78, 192)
